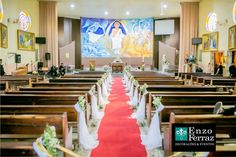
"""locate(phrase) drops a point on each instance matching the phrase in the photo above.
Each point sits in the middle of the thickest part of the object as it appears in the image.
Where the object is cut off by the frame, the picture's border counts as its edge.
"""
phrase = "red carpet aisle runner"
(118, 135)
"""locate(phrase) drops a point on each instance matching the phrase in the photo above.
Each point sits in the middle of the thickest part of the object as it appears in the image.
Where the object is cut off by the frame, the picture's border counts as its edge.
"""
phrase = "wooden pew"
(77, 80)
(189, 100)
(169, 100)
(220, 81)
(48, 92)
(181, 88)
(224, 125)
(148, 74)
(46, 99)
(82, 76)
(189, 93)
(83, 88)
(67, 84)
(19, 131)
(38, 99)
(187, 110)
(3, 86)
(161, 82)
(184, 75)
(91, 72)
(72, 114)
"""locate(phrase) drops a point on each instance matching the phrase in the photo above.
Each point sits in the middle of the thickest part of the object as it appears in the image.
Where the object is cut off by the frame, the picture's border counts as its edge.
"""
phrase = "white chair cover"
(101, 100)
(96, 115)
(104, 91)
(86, 140)
(154, 139)
(140, 113)
(134, 101)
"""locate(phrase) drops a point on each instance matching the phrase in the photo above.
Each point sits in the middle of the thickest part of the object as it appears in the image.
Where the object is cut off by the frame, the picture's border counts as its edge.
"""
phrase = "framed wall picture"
(210, 42)
(4, 36)
(232, 38)
(25, 40)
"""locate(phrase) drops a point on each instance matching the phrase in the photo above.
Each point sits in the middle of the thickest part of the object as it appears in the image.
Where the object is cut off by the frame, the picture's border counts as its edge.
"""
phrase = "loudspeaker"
(196, 41)
(47, 56)
(40, 40)
(17, 58)
(40, 65)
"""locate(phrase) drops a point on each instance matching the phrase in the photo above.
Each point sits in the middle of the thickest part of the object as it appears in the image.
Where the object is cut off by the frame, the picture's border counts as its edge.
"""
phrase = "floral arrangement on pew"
(142, 67)
(49, 143)
(143, 88)
(81, 102)
(136, 83)
(106, 68)
(92, 90)
(156, 101)
(100, 82)
(127, 68)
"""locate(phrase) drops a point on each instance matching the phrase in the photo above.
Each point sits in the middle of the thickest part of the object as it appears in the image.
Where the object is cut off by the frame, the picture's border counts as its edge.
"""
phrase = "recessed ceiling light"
(106, 12)
(72, 5)
(127, 12)
(165, 6)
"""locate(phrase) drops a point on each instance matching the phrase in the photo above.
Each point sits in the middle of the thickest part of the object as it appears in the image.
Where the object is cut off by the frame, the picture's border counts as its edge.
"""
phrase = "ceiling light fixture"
(127, 12)
(106, 12)
(164, 6)
(72, 5)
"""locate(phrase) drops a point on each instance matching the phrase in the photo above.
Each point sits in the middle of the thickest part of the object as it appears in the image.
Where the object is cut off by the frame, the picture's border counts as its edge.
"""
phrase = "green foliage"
(127, 68)
(135, 82)
(50, 140)
(100, 107)
(143, 67)
(156, 101)
(100, 82)
(143, 88)
(81, 102)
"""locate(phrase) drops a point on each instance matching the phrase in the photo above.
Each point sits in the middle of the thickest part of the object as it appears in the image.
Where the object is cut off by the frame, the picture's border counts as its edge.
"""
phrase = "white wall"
(223, 9)
(11, 10)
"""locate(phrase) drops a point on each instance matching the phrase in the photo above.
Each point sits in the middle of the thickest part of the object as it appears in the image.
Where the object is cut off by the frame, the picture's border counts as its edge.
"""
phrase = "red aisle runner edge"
(118, 134)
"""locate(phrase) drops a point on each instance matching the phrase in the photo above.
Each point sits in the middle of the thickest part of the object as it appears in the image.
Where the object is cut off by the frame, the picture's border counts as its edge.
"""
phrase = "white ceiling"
(117, 8)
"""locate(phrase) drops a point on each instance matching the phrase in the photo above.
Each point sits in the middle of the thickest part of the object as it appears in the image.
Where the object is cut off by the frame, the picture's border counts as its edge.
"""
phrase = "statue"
(165, 63)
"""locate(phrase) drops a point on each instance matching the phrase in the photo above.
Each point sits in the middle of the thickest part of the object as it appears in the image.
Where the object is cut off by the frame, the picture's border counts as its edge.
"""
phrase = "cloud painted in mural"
(109, 37)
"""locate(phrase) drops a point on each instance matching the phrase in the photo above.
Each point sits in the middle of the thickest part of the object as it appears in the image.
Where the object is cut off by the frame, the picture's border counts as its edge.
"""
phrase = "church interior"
(114, 78)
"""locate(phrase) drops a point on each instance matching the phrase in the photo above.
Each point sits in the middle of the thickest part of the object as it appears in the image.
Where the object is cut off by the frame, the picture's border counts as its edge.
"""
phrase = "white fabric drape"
(154, 139)
(48, 27)
(140, 113)
(104, 91)
(86, 140)
(188, 29)
(101, 100)
(96, 115)
(134, 101)
(39, 152)
(131, 92)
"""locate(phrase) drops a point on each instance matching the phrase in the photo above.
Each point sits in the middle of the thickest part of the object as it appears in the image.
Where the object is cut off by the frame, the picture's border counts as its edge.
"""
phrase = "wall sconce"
(13, 20)
(223, 23)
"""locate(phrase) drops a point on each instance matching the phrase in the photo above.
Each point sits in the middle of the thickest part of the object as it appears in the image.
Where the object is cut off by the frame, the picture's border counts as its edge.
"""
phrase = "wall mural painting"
(234, 12)
(3, 36)
(210, 42)
(124, 38)
(25, 40)
(1, 11)
(232, 38)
